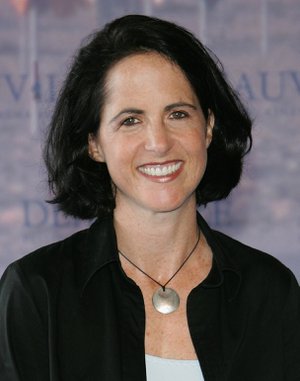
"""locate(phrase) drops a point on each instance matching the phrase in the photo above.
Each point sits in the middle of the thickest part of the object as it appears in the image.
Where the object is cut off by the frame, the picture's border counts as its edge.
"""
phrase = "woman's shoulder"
(247, 260)
(58, 250)
(253, 264)
(49, 260)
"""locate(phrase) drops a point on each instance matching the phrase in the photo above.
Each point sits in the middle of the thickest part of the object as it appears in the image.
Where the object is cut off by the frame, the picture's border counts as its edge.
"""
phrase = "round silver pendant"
(165, 301)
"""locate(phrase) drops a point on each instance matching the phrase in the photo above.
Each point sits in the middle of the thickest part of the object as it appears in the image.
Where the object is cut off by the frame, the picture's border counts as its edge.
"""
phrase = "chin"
(170, 205)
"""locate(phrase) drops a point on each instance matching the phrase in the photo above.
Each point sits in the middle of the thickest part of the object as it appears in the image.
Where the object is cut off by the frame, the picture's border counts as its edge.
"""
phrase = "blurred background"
(258, 43)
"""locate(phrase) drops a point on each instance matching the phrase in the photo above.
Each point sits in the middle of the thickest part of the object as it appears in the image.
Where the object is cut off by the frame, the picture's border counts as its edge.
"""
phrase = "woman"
(145, 129)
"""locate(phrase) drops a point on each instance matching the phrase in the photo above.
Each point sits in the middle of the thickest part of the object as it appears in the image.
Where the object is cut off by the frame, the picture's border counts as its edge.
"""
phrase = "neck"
(154, 240)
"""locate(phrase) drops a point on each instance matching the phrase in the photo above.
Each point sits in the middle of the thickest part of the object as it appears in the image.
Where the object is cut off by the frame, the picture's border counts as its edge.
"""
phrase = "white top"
(161, 369)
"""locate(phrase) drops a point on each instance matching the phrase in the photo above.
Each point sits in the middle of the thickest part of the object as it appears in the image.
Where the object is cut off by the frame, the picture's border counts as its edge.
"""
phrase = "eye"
(178, 115)
(131, 121)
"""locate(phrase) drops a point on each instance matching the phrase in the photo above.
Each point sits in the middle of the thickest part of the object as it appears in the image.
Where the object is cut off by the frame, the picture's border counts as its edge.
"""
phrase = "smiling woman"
(155, 148)
(146, 128)
(79, 111)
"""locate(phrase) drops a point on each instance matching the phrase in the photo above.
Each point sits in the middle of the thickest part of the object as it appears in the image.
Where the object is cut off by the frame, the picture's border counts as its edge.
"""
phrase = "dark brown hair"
(82, 187)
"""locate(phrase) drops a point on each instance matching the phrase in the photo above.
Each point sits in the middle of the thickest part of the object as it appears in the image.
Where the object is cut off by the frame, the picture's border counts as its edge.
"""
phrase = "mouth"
(161, 170)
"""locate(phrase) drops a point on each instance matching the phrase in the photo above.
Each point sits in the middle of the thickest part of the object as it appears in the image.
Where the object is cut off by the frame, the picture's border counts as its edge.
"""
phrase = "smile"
(160, 170)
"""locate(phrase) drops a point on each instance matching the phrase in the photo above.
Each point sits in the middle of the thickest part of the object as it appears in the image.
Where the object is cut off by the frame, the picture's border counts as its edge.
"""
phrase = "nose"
(158, 138)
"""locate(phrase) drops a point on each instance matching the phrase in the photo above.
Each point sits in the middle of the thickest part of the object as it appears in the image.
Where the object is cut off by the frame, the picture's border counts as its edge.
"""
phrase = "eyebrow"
(140, 112)
(180, 104)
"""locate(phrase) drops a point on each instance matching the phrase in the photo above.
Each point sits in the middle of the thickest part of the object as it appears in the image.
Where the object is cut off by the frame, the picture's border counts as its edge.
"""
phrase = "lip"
(161, 172)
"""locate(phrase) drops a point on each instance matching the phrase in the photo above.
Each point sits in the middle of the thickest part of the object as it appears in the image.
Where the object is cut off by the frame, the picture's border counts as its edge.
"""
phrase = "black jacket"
(68, 312)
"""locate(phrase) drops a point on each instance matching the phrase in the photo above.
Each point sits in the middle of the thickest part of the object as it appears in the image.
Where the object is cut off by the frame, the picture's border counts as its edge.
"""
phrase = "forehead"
(146, 72)
(142, 58)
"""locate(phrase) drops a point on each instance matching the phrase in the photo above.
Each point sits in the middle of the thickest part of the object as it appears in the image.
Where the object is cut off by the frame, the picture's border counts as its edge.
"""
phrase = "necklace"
(165, 300)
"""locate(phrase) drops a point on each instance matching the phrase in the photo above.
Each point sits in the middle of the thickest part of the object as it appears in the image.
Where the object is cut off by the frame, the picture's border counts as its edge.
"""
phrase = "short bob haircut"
(82, 187)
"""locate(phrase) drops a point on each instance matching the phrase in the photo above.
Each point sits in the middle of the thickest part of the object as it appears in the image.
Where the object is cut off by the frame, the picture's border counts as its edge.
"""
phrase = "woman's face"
(153, 135)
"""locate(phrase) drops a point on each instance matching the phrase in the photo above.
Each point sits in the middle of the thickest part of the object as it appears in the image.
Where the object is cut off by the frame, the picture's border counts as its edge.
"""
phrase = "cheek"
(200, 156)
(118, 161)
(197, 144)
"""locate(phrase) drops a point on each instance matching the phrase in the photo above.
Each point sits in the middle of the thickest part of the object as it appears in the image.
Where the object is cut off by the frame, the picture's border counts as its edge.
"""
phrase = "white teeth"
(160, 171)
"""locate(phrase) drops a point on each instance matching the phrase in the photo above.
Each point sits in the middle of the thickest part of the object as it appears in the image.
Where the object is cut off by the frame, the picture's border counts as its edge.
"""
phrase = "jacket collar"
(100, 248)
(224, 269)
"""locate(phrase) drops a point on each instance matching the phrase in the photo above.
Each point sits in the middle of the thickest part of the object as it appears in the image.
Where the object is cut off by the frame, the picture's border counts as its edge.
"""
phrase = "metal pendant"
(165, 300)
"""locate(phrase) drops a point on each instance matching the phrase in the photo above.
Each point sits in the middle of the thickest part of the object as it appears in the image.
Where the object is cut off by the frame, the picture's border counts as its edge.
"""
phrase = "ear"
(95, 150)
(209, 127)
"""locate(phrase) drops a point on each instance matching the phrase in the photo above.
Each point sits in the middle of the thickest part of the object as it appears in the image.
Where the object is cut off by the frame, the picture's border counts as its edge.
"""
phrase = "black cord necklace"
(165, 300)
